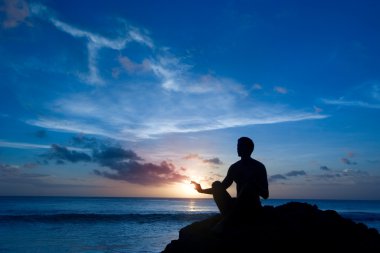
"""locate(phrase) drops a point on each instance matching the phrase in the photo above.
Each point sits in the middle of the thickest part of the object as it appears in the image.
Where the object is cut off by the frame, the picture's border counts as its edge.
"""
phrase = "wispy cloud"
(212, 161)
(351, 103)
(295, 173)
(286, 176)
(347, 161)
(280, 90)
(325, 168)
(365, 95)
(276, 177)
(22, 145)
(95, 42)
(115, 125)
(15, 13)
(257, 86)
(132, 67)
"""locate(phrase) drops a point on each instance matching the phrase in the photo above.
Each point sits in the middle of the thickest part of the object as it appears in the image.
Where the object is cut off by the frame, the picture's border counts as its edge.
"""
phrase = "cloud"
(292, 173)
(132, 67)
(325, 168)
(276, 177)
(16, 178)
(191, 157)
(375, 92)
(280, 90)
(144, 173)
(85, 141)
(354, 173)
(8, 171)
(347, 161)
(95, 42)
(61, 153)
(365, 95)
(113, 155)
(122, 128)
(295, 173)
(214, 161)
(22, 145)
(317, 109)
(15, 12)
(257, 86)
(352, 103)
(126, 165)
(211, 161)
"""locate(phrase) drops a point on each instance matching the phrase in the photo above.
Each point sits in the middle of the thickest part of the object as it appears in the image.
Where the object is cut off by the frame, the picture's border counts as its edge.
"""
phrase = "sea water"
(78, 224)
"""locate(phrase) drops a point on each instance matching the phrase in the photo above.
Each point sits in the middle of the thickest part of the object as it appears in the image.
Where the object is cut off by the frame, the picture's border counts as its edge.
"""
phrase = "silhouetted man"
(251, 181)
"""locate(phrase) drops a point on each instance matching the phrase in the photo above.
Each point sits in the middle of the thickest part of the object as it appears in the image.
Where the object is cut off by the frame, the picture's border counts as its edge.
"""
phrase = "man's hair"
(248, 144)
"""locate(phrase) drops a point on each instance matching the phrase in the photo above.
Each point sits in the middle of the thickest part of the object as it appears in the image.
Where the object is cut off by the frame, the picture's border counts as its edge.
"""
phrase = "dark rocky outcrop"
(292, 227)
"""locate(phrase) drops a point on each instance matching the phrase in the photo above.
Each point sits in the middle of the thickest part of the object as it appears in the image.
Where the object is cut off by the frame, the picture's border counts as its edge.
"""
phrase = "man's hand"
(197, 186)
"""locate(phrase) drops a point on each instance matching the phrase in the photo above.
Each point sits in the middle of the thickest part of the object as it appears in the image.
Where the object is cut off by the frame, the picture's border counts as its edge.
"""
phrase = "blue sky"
(137, 98)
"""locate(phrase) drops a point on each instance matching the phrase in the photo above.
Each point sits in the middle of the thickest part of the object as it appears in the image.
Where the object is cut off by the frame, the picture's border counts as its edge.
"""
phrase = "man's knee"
(217, 185)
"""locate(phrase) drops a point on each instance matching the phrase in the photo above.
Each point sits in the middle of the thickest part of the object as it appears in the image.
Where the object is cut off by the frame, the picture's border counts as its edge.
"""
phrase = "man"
(251, 181)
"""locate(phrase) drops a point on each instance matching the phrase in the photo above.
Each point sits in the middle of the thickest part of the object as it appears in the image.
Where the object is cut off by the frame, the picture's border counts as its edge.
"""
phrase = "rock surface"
(292, 227)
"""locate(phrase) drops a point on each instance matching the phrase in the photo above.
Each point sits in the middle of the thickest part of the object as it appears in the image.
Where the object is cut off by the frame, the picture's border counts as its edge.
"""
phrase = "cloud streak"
(212, 161)
(280, 90)
(293, 173)
(95, 42)
(22, 145)
(155, 126)
(351, 103)
(61, 153)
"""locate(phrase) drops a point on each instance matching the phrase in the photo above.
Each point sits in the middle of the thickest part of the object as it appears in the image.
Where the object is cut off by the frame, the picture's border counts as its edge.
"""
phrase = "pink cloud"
(16, 11)
(132, 67)
(280, 90)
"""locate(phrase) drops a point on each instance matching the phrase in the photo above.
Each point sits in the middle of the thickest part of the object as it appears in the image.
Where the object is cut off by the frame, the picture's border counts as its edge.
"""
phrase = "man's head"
(245, 147)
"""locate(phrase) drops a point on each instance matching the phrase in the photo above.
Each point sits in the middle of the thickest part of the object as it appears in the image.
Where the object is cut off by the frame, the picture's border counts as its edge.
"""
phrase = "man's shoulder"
(258, 162)
(236, 164)
(251, 161)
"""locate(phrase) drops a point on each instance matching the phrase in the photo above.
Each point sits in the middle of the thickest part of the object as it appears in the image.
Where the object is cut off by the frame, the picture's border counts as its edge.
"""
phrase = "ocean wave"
(92, 217)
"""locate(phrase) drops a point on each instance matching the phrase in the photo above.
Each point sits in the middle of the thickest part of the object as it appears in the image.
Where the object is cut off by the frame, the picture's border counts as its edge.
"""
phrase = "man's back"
(249, 172)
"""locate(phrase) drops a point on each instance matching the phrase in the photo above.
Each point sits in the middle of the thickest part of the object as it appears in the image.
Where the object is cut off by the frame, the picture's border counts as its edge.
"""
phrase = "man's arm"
(199, 189)
(262, 184)
(227, 181)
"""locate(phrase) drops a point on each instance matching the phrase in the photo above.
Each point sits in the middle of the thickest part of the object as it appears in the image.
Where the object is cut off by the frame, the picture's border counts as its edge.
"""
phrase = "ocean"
(94, 225)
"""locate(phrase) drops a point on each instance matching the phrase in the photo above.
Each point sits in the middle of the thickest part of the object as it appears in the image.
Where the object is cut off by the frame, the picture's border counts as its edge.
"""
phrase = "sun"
(188, 190)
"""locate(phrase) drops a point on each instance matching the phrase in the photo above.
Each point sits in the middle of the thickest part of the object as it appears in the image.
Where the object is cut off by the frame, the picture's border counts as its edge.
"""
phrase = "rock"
(292, 227)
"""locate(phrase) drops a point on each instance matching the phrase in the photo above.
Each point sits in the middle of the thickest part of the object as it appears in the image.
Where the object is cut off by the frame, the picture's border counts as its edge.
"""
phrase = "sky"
(138, 98)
